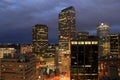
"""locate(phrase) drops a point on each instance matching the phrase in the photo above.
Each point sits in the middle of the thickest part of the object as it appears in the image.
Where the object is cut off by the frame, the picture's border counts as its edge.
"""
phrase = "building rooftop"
(40, 25)
(18, 57)
(103, 26)
(68, 8)
(7, 45)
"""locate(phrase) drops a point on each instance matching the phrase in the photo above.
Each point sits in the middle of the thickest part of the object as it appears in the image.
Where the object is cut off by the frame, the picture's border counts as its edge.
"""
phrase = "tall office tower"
(40, 38)
(18, 67)
(82, 35)
(115, 44)
(104, 39)
(84, 59)
(67, 29)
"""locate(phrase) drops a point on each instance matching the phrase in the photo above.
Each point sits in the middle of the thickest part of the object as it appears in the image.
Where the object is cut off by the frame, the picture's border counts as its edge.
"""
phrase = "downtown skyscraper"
(40, 38)
(67, 28)
(104, 39)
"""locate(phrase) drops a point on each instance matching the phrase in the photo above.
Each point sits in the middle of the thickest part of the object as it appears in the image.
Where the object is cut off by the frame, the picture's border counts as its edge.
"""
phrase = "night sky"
(18, 16)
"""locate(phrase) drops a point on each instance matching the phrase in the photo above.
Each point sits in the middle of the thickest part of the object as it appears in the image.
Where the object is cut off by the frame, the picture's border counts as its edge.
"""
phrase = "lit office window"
(94, 42)
(87, 42)
(81, 42)
(74, 42)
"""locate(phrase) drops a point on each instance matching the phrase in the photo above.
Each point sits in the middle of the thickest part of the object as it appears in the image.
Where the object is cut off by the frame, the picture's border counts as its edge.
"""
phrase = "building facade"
(109, 69)
(115, 44)
(9, 48)
(40, 38)
(22, 67)
(67, 28)
(25, 48)
(82, 35)
(104, 39)
(84, 60)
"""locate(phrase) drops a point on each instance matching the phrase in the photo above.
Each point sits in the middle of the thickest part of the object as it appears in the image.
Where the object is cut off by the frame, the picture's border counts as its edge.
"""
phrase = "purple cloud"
(18, 16)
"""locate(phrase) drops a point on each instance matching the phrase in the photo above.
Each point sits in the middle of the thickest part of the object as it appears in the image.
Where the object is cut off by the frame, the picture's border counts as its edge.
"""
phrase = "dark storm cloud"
(18, 17)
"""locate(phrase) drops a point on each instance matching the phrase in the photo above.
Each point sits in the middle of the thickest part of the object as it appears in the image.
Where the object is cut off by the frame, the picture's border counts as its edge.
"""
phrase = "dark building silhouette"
(84, 60)
(115, 44)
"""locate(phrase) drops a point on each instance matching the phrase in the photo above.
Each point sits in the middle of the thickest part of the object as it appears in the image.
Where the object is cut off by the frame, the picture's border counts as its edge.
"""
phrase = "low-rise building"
(18, 67)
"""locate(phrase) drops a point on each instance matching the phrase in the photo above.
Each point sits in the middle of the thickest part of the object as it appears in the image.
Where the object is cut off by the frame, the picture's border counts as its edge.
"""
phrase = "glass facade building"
(84, 60)
(66, 27)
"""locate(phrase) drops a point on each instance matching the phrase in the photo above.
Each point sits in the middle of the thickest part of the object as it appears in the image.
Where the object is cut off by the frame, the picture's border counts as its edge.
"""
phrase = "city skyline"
(18, 17)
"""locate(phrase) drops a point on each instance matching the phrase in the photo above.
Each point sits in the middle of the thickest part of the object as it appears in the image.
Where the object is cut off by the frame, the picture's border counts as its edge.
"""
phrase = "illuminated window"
(2, 65)
(75, 62)
(4, 69)
(74, 42)
(81, 42)
(94, 42)
(20, 65)
(87, 42)
(118, 73)
(73, 57)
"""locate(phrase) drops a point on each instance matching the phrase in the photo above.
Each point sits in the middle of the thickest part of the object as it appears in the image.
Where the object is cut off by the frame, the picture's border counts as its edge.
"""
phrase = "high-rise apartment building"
(84, 60)
(67, 29)
(40, 38)
(104, 39)
(115, 44)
